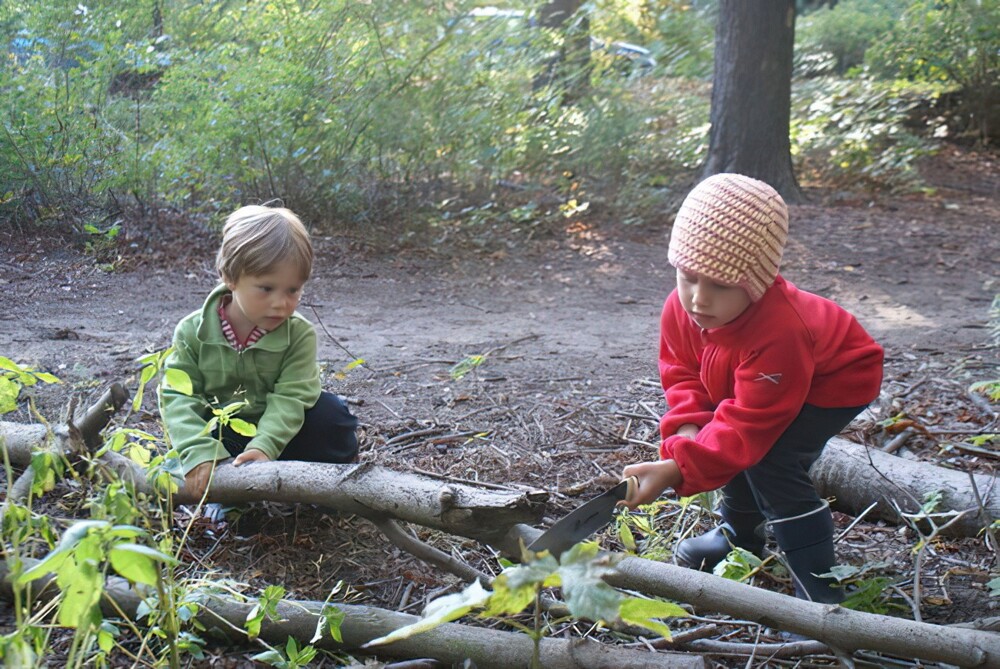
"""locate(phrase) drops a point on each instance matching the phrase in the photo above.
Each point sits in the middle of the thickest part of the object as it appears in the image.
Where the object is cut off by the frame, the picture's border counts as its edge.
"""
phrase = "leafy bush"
(953, 44)
(846, 31)
(856, 130)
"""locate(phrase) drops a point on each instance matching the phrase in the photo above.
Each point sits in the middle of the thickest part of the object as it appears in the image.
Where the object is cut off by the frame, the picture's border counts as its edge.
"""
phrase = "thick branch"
(835, 626)
(856, 477)
(483, 512)
(451, 643)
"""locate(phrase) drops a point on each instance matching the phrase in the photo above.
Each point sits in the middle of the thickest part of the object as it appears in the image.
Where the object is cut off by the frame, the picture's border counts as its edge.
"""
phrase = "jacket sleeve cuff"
(669, 451)
(266, 447)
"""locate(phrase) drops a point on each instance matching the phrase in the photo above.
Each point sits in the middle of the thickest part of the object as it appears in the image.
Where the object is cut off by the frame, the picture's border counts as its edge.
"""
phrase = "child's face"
(710, 304)
(267, 300)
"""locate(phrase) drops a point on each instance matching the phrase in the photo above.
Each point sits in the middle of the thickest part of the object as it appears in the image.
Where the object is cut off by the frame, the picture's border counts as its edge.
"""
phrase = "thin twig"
(423, 551)
(336, 341)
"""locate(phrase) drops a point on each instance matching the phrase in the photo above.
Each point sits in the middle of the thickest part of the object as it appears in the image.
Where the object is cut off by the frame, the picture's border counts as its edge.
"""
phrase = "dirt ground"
(566, 395)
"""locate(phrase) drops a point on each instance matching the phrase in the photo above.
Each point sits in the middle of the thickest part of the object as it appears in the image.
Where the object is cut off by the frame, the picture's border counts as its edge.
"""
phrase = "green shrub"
(850, 130)
(845, 32)
(952, 44)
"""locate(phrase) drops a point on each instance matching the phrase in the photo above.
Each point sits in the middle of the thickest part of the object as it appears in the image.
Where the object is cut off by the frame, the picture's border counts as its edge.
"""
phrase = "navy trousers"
(779, 485)
(327, 435)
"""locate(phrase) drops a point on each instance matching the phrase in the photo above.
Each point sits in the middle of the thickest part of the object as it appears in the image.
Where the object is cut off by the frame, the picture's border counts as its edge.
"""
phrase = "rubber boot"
(807, 542)
(739, 528)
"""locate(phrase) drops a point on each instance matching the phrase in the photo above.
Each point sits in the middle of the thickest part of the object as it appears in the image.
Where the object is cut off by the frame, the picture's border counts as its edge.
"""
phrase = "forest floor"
(566, 393)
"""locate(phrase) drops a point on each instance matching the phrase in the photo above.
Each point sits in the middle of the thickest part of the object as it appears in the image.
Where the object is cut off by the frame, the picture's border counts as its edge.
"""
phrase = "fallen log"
(839, 628)
(856, 477)
(852, 475)
(450, 643)
(484, 512)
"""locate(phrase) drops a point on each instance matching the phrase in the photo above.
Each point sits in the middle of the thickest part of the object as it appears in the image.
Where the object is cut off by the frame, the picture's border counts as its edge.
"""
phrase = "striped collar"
(230, 333)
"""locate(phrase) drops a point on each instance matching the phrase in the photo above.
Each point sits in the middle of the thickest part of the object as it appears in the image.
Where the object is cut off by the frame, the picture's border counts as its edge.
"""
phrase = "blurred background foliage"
(400, 114)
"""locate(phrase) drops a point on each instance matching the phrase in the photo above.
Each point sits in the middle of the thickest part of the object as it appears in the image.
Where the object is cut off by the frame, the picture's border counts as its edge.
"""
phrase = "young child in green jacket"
(248, 344)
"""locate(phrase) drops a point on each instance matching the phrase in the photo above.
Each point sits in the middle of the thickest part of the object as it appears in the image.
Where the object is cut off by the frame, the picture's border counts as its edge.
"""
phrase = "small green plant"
(294, 656)
(80, 563)
(866, 590)
(579, 573)
(991, 389)
(13, 378)
(102, 244)
(739, 565)
(466, 365)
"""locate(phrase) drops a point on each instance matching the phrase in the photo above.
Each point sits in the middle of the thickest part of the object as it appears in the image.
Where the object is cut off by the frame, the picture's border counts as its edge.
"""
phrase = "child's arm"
(184, 415)
(688, 401)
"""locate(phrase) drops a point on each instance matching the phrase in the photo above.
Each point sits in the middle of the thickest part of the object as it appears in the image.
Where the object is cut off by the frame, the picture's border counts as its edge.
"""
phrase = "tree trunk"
(481, 511)
(751, 93)
(570, 68)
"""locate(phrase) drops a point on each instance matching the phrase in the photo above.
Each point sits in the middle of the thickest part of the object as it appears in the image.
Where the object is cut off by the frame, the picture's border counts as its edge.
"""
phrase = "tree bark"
(857, 476)
(464, 508)
(840, 628)
(570, 68)
(752, 93)
(450, 643)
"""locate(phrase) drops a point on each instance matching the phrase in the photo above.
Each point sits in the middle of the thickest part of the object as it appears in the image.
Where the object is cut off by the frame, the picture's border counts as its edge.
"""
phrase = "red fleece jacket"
(744, 383)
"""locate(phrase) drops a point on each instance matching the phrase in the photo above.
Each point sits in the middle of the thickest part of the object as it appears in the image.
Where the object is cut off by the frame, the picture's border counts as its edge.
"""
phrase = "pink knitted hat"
(732, 229)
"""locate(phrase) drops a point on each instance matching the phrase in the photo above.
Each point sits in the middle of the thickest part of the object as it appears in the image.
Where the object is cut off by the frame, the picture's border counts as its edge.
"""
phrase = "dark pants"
(779, 485)
(327, 435)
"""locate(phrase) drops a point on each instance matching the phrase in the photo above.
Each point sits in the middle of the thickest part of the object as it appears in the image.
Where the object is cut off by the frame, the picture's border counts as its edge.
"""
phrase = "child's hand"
(195, 483)
(654, 478)
(250, 455)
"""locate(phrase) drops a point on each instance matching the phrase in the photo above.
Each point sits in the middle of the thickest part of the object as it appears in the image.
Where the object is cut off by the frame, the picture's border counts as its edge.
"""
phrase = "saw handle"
(633, 487)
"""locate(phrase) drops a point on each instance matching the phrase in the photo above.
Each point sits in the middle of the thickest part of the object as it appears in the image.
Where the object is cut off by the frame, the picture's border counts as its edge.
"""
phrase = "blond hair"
(256, 239)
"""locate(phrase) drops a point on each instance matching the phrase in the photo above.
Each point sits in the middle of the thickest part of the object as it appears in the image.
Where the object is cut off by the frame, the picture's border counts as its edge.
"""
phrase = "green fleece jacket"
(278, 375)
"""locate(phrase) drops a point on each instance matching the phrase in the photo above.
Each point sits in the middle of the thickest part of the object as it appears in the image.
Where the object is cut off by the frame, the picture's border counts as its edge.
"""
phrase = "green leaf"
(271, 657)
(626, 537)
(46, 377)
(266, 607)
(81, 591)
(587, 595)
(332, 618)
(507, 600)
(106, 636)
(643, 612)
(738, 565)
(179, 380)
(466, 365)
(305, 656)
(8, 364)
(147, 373)
(342, 374)
(254, 621)
(242, 427)
(137, 563)
(517, 586)
(9, 390)
(438, 612)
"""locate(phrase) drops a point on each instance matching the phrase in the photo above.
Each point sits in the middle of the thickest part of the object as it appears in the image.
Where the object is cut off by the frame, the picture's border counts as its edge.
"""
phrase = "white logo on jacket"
(773, 378)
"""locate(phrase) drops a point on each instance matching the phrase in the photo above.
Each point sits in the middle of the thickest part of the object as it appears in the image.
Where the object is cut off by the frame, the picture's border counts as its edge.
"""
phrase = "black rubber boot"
(739, 528)
(807, 542)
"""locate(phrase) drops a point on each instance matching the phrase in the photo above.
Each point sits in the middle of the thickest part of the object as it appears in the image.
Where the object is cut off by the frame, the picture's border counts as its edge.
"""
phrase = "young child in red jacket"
(758, 375)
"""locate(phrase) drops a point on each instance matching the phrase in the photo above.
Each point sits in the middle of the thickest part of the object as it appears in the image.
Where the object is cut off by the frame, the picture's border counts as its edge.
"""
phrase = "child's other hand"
(654, 478)
(250, 455)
